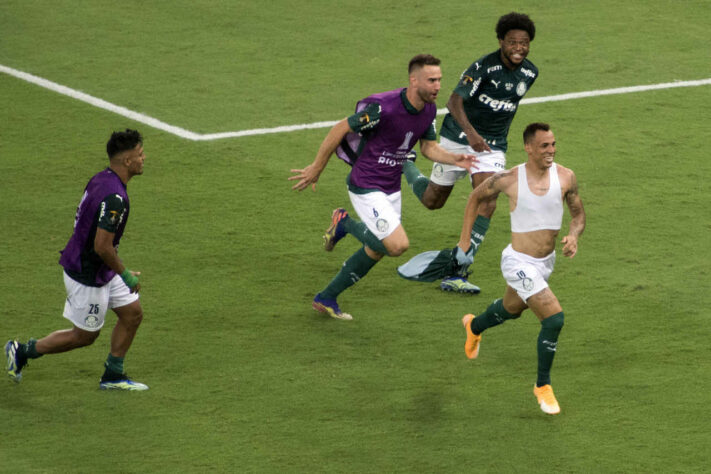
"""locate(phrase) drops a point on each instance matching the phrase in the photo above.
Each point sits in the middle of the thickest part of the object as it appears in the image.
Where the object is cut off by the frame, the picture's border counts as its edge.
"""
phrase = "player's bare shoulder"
(502, 181)
(568, 181)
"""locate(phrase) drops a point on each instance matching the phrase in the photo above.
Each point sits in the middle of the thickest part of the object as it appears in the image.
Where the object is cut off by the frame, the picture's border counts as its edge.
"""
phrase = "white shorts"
(380, 212)
(525, 274)
(446, 175)
(86, 306)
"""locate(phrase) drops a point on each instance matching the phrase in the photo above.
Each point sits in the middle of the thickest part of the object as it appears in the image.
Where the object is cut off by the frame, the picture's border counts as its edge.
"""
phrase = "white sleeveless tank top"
(537, 212)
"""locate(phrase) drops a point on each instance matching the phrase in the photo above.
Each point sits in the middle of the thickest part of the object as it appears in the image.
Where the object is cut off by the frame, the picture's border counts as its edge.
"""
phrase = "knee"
(513, 308)
(84, 338)
(135, 318)
(398, 249)
(505, 313)
(396, 243)
(132, 318)
(554, 322)
(433, 203)
(435, 196)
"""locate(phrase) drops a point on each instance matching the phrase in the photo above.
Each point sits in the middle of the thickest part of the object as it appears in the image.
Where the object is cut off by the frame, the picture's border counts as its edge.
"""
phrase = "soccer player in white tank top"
(536, 191)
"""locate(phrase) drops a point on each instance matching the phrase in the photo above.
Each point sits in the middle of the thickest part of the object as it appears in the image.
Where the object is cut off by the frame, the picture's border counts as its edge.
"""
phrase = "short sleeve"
(471, 80)
(366, 119)
(111, 213)
(431, 133)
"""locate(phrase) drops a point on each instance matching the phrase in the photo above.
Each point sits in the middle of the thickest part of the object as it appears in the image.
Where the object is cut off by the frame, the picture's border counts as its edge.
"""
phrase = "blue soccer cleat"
(459, 285)
(331, 307)
(14, 365)
(335, 231)
(121, 382)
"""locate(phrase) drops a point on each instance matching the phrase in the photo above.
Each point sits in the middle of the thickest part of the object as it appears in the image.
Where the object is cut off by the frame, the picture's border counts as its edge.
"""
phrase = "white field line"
(181, 132)
(100, 103)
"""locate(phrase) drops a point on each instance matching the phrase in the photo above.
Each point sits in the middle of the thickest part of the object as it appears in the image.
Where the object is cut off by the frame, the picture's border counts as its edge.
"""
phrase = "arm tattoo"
(577, 213)
(572, 198)
(573, 188)
(497, 177)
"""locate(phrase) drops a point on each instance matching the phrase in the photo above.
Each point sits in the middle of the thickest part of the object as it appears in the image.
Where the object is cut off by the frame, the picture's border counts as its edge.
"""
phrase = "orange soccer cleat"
(546, 399)
(471, 347)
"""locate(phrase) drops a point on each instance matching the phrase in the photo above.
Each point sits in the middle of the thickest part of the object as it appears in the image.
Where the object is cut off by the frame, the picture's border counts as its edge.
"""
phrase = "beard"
(426, 97)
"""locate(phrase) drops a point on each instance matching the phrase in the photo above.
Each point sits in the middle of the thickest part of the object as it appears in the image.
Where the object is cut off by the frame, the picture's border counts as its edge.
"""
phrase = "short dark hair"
(123, 141)
(515, 21)
(532, 128)
(422, 60)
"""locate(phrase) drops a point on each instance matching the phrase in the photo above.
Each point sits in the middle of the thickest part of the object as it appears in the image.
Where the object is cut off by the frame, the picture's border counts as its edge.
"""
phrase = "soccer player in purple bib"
(94, 276)
(376, 141)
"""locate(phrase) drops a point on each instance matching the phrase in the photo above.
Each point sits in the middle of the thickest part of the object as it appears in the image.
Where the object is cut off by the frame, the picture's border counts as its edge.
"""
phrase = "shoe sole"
(548, 410)
(136, 387)
(457, 290)
(10, 353)
(325, 309)
(328, 243)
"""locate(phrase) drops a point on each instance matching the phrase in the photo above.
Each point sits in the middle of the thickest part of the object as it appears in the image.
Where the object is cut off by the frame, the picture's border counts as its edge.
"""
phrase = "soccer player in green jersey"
(481, 109)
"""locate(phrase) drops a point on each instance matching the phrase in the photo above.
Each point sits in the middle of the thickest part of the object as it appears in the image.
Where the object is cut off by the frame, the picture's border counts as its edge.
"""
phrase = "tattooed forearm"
(575, 205)
(577, 214)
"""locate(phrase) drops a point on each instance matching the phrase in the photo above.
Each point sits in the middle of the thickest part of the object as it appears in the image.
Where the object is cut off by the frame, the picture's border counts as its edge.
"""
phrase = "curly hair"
(515, 21)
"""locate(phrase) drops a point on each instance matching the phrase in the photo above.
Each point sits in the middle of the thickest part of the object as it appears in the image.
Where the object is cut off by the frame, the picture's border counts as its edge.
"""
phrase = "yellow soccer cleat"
(546, 399)
(471, 347)
(330, 307)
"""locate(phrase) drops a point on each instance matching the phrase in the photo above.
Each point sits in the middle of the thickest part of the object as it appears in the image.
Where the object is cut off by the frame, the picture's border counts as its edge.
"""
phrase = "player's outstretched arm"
(309, 175)
(434, 152)
(577, 218)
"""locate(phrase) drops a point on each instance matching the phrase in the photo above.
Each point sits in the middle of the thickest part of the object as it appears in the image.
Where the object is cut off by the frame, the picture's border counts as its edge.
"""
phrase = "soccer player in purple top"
(94, 275)
(376, 141)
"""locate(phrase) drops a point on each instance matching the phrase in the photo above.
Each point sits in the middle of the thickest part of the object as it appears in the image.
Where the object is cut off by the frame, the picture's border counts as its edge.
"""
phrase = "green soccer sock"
(353, 270)
(31, 350)
(547, 345)
(494, 315)
(360, 231)
(114, 364)
(481, 225)
(417, 181)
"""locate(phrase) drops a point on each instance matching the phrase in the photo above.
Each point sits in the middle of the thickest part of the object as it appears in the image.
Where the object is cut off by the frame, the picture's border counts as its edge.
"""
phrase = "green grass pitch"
(244, 375)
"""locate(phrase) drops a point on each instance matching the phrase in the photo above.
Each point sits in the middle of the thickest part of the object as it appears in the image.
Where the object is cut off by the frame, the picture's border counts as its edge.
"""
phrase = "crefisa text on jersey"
(497, 105)
(528, 72)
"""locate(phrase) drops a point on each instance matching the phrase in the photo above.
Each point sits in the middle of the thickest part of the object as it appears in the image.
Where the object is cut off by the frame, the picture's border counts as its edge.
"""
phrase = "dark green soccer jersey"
(491, 94)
